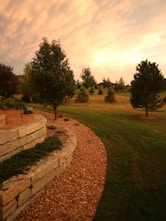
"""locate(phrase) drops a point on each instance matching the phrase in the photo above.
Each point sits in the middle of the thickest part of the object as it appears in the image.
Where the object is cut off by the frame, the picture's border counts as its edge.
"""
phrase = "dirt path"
(75, 194)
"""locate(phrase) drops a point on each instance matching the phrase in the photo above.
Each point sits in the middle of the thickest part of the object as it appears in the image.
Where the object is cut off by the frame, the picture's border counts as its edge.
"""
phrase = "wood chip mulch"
(74, 195)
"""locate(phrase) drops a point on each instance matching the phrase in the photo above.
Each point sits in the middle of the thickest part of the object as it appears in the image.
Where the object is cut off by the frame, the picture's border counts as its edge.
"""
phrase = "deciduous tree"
(120, 85)
(107, 83)
(25, 85)
(8, 81)
(51, 76)
(88, 78)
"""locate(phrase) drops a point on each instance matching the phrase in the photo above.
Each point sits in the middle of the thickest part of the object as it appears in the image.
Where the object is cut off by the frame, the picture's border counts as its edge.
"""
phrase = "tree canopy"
(107, 83)
(25, 85)
(120, 85)
(88, 78)
(51, 75)
(147, 83)
(8, 81)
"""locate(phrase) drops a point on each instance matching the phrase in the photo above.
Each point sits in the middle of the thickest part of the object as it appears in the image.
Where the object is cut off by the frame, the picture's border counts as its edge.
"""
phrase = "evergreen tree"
(82, 96)
(147, 83)
(110, 98)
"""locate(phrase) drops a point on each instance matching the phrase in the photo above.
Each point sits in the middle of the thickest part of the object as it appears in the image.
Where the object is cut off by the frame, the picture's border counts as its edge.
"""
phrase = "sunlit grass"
(136, 151)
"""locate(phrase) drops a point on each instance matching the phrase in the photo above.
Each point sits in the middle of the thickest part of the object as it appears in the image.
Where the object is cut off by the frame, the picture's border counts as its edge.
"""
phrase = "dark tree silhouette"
(147, 83)
(8, 81)
(51, 76)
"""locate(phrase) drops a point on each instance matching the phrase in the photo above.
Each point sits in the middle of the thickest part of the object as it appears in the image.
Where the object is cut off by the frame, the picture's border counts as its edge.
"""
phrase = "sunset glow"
(100, 59)
(110, 37)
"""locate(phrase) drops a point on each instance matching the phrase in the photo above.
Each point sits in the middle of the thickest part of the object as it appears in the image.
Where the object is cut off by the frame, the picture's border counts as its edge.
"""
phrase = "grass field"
(136, 158)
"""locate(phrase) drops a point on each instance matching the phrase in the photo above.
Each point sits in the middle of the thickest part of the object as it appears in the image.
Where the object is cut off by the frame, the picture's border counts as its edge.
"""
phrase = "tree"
(107, 83)
(25, 85)
(91, 90)
(82, 96)
(164, 84)
(110, 98)
(8, 81)
(147, 83)
(120, 85)
(88, 78)
(51, 75)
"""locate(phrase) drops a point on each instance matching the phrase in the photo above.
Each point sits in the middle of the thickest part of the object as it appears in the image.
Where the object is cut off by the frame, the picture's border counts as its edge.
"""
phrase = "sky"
(111, 37)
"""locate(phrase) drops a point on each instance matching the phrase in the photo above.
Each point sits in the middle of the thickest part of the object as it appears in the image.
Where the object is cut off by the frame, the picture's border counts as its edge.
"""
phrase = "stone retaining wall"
(22, 137)
(17, 192)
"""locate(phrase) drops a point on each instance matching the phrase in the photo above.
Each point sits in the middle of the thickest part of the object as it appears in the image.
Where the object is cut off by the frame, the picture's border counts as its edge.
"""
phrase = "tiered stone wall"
(23, 137)
(16, 192)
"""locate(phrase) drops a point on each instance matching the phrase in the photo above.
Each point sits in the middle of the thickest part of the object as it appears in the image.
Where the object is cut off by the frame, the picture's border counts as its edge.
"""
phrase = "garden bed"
(16, 192)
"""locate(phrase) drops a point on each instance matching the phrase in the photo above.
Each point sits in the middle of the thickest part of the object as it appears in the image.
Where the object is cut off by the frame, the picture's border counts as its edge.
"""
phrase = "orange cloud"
(110, 37)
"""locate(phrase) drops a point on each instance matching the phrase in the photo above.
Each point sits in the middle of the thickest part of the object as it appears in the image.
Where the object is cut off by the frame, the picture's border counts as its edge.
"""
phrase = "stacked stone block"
(23, 137)
(17, 192)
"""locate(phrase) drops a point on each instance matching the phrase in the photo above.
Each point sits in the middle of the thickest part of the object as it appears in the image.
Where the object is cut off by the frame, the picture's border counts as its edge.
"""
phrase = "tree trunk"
(55, 115)
(146, 109)
(5, 94)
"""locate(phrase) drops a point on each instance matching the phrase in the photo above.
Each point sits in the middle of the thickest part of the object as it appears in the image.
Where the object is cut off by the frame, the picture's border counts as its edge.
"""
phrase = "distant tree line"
(49, 79)
(8, 81)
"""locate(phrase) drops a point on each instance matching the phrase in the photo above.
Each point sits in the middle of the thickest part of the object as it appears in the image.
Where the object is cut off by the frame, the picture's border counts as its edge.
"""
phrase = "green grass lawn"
(136, 155)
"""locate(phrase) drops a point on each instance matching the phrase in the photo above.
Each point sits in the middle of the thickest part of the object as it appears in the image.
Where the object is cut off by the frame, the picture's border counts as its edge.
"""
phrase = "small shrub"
(60, 132)
(110, 98)
(66, 119)
(76, 124)
(60, 116)
(7, 103)
(11, 103)
(26, 110)
(100, 91)
(51, 127)
(82, 96)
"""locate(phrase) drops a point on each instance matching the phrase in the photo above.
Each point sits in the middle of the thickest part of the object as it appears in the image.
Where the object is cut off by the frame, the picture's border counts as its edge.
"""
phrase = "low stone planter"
(22, 137)
(17, 192)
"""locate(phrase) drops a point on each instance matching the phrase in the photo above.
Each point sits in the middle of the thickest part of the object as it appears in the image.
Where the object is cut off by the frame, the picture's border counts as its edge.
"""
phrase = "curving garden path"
(74, 195)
